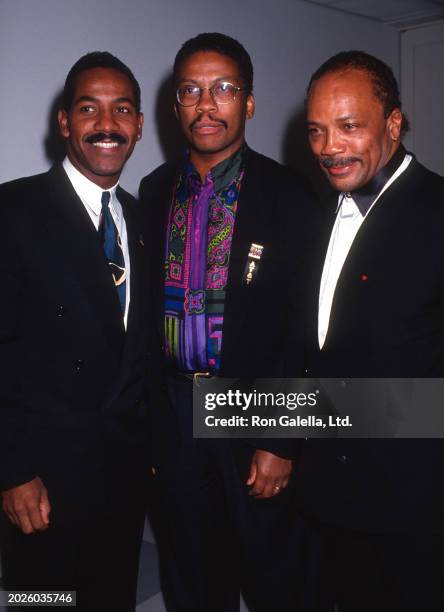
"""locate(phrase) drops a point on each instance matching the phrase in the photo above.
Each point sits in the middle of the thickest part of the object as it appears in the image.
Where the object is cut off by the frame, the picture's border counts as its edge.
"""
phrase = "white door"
(422, 93)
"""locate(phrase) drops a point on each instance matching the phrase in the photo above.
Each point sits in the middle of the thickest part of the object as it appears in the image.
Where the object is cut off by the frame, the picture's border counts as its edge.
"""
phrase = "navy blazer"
(276, 209)
(387, 321)
(74, 383)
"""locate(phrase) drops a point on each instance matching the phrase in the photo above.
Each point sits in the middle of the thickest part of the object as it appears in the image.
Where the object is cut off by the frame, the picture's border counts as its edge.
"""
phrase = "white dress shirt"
(91, 196)
(348, 221)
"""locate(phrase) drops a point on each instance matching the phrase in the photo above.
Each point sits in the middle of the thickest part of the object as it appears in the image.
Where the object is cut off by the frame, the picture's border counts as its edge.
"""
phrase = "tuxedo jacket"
(277, 210)
(73, 407)
(387, 320)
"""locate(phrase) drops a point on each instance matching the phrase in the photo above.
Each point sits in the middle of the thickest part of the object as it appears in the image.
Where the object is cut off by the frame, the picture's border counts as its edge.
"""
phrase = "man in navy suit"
(228, 230)
(73, 354)
(379, 305)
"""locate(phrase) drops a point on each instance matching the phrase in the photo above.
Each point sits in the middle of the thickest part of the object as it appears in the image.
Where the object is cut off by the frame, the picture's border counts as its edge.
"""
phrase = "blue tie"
(113, 248)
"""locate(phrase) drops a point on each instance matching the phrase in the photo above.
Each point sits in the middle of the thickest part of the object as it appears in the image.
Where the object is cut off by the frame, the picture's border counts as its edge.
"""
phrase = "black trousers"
(386, 573)
(98, 558)
(215, 540)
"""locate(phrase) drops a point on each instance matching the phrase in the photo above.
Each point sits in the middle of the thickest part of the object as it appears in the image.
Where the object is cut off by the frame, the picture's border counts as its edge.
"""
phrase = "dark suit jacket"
(72, 400)
(277, 210)
(387, 320)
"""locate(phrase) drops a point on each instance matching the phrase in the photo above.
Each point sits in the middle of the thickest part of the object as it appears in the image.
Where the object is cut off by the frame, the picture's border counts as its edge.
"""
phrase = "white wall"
(287, 39)
(422, 53)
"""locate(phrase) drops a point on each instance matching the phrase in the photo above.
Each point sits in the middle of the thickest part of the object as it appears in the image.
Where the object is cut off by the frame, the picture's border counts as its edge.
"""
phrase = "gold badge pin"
(253, 259)
(256, 251)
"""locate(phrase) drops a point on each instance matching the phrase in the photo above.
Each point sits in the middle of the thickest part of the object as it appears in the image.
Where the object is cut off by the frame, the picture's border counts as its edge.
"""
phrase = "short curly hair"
(384, 81)
(97, 59)
(219, 43)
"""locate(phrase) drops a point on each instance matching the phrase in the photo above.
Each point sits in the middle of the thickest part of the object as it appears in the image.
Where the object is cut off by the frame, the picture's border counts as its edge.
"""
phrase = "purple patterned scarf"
(199, 235)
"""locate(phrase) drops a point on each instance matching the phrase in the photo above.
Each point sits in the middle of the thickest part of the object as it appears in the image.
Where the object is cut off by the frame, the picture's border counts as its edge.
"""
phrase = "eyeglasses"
(221, 93)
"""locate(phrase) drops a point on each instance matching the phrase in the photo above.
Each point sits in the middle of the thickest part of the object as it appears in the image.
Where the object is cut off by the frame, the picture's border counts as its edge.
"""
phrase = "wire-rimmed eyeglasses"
(221, 93)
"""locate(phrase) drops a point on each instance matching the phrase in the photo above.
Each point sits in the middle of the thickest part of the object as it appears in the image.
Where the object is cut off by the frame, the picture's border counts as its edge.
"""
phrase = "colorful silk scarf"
(199, 236)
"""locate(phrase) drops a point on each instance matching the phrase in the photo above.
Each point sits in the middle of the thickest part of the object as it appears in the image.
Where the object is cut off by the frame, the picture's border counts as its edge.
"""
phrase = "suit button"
(78, 364)
(342, 458)
(60, 310)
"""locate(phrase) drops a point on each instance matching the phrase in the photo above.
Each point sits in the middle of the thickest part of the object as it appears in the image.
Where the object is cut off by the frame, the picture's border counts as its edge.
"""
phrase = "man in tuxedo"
(380, 292)
(73, 354)
(227, 517)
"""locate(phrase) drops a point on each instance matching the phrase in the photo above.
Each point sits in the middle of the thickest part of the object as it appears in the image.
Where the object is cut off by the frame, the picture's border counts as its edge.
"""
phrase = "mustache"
(101, 136)
(199, 119)
(337, 162)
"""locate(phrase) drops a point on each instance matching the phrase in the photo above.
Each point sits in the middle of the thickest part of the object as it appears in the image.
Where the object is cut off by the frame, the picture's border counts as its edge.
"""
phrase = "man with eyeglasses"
(227, 521)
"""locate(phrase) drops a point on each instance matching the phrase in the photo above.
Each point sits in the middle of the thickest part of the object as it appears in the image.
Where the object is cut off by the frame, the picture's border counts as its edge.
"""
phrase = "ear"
(140, 121)
(250, 106)
(394, 122)
(176, 111)
(62, 117)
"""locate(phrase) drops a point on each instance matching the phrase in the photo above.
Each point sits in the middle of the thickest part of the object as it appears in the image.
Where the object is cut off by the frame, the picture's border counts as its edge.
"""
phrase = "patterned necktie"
(113, 248)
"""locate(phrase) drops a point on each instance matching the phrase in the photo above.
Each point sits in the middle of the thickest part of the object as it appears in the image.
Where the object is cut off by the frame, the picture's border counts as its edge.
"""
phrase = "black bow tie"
(366, 195)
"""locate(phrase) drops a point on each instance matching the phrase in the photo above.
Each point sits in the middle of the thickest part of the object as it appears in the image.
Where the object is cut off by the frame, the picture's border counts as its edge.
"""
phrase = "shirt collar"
(222, 174)
(366, 195)
(88, 192)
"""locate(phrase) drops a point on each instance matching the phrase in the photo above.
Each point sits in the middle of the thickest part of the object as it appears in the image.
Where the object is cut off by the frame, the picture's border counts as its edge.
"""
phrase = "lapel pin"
(253, 260)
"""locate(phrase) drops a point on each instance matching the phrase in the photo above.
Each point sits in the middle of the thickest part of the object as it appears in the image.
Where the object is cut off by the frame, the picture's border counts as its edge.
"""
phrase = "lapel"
(380, 228)
(158, 221)
(78, 247)
(251, 218)
(139, 276)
